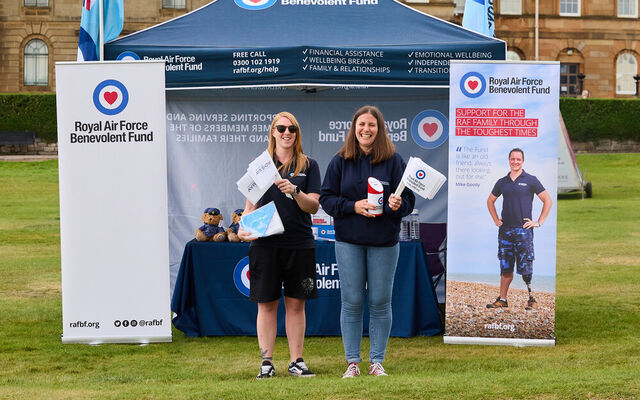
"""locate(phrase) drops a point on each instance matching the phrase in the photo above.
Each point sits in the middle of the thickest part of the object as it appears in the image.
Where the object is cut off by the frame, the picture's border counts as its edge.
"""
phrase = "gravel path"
(468, 315)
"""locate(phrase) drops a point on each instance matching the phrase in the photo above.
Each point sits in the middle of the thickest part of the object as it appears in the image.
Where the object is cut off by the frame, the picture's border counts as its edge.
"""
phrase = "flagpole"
(101, 39)
(537, 28)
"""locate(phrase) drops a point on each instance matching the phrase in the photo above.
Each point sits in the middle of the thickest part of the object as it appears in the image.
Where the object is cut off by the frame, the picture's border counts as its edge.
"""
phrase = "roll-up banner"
(503, 161)
(113, 202)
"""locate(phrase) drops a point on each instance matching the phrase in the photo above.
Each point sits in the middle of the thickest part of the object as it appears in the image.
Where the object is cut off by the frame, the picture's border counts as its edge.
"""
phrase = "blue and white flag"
(89, 37)
(478, 16)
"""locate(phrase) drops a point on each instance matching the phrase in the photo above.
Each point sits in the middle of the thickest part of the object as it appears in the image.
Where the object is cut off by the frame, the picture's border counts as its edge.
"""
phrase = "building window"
(569, 85)
(570, 7)
(513, 56)
(36, 3)
(459, 7)
(36, 63)
(628, 8)
(626, 68)
(173, 4)
(511, 7)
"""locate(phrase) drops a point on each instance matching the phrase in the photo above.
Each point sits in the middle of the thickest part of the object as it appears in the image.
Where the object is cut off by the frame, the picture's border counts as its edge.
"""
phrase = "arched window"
(513, 55)
(626, 68)
(36, 63)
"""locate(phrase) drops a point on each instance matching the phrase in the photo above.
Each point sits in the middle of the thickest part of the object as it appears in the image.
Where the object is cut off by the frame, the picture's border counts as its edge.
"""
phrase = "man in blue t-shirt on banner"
(515, 236)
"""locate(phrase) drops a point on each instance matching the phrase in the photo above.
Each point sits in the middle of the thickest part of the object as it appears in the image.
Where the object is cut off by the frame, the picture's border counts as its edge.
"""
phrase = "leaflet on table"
(265, 221)
(421, 178)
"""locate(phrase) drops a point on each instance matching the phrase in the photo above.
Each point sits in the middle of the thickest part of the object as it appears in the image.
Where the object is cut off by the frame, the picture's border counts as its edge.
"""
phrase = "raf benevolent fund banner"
(501, 271)
(113, 202)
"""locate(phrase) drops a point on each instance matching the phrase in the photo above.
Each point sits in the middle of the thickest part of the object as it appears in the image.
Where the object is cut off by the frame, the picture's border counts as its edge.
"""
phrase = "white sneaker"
(352, 371)
(376, 369)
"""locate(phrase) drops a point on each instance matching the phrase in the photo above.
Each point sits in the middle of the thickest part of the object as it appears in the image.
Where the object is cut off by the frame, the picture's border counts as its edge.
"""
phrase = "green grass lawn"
(597, 320)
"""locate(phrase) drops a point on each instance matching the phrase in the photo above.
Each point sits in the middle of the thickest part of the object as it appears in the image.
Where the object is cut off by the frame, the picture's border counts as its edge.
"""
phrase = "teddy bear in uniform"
(232, 231)
(211, 231)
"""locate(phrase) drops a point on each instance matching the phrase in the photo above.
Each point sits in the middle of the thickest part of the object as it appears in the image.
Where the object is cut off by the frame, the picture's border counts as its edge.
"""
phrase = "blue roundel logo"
(430, 129)
(241, 276)
(255, 4)
(380, 200)
(472, 84)
(420, 174)
(127, 56)
(110, 97)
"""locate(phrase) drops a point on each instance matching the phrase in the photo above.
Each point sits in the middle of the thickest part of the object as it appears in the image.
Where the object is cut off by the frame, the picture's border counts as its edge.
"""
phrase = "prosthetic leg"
(531, 302)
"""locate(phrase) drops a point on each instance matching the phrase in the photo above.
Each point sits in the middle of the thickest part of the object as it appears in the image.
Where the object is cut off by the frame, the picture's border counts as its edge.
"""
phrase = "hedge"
(29, 113)
(591, 120)
(587, 120)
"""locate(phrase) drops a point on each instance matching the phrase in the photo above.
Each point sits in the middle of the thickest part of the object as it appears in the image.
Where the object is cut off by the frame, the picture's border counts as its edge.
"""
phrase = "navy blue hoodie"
(345, 182)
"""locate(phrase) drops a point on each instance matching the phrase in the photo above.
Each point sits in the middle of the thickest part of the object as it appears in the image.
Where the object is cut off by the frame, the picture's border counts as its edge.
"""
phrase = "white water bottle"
(414, 225)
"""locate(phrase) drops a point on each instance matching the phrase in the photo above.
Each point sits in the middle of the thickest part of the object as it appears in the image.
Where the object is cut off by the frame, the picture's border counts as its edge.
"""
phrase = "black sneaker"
(531, 304)
(299, 369)
(266, 370)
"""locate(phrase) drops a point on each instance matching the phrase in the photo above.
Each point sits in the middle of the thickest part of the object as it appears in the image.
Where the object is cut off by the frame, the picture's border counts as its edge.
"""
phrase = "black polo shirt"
(297, 223)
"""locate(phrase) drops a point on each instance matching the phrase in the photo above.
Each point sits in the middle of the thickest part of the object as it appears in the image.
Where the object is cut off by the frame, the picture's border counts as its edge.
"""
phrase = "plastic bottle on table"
(404, 229)
(414, 225)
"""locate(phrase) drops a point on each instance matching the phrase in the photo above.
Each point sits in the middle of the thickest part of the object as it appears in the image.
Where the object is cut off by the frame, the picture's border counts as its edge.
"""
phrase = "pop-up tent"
(212, 134)
(355, 42)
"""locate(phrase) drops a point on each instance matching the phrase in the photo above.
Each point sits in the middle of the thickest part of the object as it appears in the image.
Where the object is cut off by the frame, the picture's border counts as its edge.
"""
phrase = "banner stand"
(113, 202)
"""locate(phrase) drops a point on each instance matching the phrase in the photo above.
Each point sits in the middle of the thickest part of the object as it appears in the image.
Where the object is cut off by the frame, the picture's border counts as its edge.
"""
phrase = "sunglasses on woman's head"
(282, 128)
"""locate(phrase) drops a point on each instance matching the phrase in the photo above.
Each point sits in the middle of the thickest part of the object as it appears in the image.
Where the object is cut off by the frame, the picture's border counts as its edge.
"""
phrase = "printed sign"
(501, 241)
(113, 202)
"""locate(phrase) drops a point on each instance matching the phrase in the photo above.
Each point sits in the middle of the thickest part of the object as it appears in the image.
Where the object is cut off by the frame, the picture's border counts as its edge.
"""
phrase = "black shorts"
(271, 268)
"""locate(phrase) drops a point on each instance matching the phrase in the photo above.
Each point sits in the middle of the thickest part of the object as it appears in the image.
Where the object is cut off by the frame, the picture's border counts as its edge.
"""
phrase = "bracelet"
(539, 224)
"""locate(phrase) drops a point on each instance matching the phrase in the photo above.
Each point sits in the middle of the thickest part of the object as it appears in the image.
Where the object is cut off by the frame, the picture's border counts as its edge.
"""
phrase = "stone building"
(595, 40)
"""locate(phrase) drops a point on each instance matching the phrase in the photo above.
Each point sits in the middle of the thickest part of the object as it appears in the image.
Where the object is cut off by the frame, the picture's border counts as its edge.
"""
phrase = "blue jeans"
(360, 268)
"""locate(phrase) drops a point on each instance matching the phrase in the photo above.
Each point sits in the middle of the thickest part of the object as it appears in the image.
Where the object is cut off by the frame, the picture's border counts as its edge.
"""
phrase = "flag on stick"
(90, 40)
(421, 178)
(261, 174)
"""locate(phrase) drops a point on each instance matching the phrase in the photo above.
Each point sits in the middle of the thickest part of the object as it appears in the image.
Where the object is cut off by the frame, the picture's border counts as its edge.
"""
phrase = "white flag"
(421, 178)
(261, 174)
(250, 189)
(263, 171)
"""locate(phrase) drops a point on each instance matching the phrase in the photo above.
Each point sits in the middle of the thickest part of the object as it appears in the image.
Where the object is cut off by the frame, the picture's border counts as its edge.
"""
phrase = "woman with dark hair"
(287, 259)
(366, 244)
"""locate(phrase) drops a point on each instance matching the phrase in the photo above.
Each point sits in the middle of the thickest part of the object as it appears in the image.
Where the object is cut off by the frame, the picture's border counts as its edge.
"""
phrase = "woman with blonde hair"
(286, 260)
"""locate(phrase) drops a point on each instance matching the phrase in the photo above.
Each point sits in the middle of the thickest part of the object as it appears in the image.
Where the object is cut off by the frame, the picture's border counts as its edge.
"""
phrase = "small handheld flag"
(421, 178)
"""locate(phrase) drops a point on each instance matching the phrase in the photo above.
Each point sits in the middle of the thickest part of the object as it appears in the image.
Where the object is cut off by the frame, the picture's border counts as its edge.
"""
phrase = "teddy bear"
(232, 231)
(211, 231)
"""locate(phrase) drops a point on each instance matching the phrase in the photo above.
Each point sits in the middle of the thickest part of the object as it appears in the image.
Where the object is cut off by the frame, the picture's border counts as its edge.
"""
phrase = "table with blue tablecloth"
(211, 293)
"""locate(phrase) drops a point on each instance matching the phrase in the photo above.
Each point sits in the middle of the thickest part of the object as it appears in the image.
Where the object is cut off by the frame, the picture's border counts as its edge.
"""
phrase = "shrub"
(29, 113)
(591, 120)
